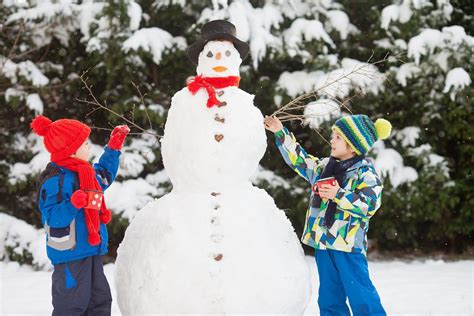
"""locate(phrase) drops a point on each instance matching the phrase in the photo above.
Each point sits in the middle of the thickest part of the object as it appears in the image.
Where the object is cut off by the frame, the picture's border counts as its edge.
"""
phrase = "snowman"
(215, 244)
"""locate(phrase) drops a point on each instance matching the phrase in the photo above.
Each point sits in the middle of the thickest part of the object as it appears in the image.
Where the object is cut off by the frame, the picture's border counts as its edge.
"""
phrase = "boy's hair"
(62, 138)
(360, 132)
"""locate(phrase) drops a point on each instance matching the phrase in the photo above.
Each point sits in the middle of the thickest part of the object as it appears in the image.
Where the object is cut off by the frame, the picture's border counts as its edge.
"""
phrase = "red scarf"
(211, 84)
(88, 182)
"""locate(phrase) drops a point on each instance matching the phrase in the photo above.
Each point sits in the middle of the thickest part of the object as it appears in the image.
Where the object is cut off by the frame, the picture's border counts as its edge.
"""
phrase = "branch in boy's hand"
(98, 105)
(292, 111)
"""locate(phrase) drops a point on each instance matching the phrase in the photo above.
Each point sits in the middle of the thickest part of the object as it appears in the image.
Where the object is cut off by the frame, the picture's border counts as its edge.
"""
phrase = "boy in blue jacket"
(73, 212)
(337, 219)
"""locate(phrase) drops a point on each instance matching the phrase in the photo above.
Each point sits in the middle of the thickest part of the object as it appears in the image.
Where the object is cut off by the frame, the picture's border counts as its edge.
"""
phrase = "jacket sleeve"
(296, 157)
(107, 167)
(57, 211)
(366, 199)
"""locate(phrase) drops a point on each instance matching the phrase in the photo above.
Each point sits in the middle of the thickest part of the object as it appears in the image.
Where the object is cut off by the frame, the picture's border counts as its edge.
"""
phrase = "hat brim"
(196, 48)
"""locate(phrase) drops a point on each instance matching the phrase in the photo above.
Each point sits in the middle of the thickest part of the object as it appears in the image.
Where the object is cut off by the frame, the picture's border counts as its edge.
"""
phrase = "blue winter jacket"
(66, 232)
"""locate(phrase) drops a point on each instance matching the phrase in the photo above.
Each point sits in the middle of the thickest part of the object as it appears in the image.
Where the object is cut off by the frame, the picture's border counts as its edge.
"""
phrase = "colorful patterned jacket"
(357, 200)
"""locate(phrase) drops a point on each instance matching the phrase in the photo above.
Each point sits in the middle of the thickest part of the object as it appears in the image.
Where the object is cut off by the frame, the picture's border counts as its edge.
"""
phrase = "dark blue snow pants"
(81, 288)
(345, 275)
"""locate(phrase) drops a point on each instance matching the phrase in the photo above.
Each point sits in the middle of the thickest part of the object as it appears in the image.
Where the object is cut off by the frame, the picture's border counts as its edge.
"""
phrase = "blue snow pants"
(80, 288)
(345, 275)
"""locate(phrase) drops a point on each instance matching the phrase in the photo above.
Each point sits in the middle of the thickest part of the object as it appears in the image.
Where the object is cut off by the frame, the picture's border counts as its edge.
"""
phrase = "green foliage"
(24, 258)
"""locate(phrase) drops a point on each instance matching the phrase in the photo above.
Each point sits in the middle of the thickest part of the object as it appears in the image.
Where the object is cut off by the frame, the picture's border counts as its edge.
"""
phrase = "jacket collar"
(364, 162)
(367, 161)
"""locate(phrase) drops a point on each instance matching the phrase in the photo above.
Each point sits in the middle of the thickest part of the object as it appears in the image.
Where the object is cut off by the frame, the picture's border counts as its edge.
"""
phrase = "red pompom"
(94, 239)
(105, 216)
(40, 125)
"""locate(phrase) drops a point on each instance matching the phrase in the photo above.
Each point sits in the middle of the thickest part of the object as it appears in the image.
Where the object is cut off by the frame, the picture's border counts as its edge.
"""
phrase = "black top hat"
(217, 30)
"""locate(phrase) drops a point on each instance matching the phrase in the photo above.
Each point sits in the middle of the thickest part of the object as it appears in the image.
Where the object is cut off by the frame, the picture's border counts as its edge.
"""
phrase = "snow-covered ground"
(416, 288)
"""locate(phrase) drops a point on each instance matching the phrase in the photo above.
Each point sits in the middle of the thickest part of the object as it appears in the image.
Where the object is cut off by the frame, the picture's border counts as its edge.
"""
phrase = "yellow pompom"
(383, 128)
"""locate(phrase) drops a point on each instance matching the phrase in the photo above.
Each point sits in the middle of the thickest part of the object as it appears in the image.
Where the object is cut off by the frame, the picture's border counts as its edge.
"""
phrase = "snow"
(162, 3)
(340, 22)
(446, 8)
(456, 79)
(21, 170)
(430, 159)
(214, 208)
(429, 40)
(260, 27)
(422, 287)
(337, 83)
(389, 162)
(298, 82)
(408, 135)
(11, 93)
(153, 40)
(441, 59)
(15, 3)
(136, 155)
(363, 75)
(456, 35)
(407, 71)
(396, 13)
(118, 196)
(23, 239)
(188, 225)
(304, 30)
(33, 101)
(44, 9)
(25, 69)
(196, 161)
(157, 108)
(253, 25)
(404, 11)
(207, 64)
(320, 111)
(257, 30)
(424, 44)
(87, 17)
(134, 11)
(270, 177)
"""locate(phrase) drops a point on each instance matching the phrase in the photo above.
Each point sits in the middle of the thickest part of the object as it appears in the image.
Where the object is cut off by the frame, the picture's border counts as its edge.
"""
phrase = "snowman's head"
(219, 59)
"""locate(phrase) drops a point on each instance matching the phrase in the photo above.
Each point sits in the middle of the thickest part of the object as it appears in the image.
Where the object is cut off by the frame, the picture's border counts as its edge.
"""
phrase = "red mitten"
(117, 137)
(79, 199)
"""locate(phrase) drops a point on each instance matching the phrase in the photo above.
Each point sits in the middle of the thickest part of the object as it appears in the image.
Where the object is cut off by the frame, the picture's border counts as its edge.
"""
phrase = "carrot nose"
(218, 56)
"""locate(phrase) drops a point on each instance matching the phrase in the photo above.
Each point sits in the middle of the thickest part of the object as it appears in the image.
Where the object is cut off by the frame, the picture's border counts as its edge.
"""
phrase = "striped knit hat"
(360, 132)
(62, 138)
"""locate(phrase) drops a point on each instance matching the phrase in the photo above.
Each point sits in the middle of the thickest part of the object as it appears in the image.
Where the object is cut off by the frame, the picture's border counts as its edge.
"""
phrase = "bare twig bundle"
(330, 90)
(97, 106)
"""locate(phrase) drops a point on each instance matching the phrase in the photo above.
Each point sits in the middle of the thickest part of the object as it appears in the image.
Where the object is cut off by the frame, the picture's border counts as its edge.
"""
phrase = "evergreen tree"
(426, 164)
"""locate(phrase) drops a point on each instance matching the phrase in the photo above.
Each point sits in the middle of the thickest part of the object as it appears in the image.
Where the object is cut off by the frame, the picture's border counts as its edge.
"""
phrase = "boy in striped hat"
(338, 216)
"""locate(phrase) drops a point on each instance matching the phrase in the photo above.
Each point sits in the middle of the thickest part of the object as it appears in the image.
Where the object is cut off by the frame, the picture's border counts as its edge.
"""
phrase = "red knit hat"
(62, 138)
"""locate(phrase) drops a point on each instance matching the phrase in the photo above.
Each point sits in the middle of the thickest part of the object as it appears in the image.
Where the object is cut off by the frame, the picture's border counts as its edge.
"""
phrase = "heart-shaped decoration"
(218, 137)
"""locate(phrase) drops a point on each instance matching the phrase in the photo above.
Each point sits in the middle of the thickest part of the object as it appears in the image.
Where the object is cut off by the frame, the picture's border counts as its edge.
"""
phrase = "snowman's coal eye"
(227, 53)
(209, 54)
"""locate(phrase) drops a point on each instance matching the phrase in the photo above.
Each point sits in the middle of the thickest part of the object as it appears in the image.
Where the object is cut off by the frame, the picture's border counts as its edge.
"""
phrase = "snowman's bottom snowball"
(167, 260)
